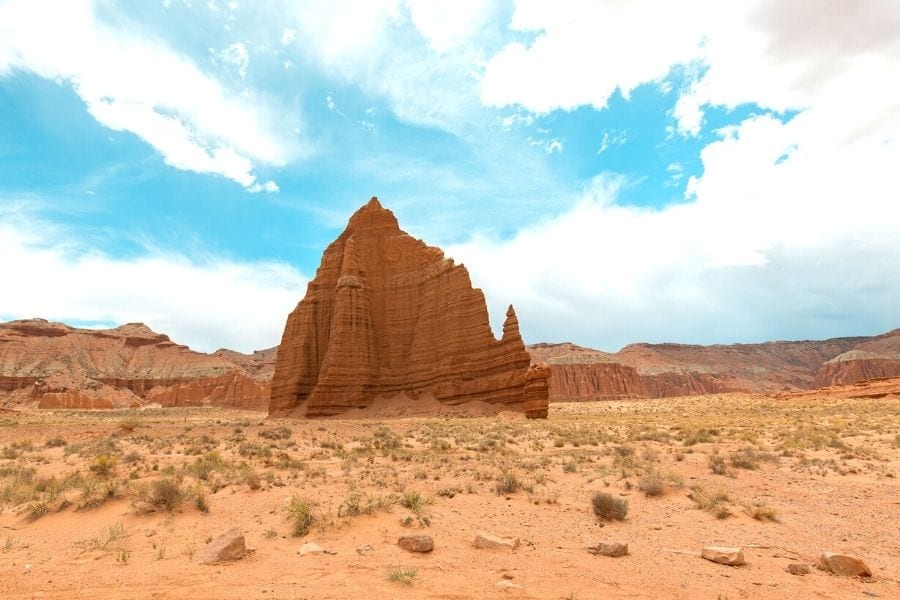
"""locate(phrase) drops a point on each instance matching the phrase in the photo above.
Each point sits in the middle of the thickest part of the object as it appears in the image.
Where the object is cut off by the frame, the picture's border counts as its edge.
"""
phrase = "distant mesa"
(389, 319)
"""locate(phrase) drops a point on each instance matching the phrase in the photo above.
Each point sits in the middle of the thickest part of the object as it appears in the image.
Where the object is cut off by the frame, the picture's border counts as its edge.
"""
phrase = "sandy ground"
(826, 468)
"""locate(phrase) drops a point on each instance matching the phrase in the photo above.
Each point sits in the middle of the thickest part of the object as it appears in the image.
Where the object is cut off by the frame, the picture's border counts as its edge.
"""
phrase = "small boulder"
(798, 569)
(506, 584)
(844, 564)
(227, 547)
(311, 548)
(416, 542)
(487, 540)
(733, 557)
(613, 549)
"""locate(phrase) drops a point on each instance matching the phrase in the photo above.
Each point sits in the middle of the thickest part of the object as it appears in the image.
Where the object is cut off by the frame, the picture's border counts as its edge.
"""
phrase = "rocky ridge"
(53, 365)
(662, 370)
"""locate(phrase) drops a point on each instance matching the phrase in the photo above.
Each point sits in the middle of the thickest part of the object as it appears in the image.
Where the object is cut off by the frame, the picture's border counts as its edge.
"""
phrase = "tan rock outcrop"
(388, 315)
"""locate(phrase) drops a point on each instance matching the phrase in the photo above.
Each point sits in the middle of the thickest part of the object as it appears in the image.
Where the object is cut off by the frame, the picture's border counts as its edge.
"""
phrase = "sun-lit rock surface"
(387, 315)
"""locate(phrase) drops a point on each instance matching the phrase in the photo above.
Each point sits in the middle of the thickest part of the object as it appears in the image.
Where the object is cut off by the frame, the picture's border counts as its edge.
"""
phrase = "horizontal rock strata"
(388, 315)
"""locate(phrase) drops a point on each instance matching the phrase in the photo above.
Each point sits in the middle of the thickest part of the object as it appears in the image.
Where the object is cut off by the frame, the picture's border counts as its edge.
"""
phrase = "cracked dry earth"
(119, 504)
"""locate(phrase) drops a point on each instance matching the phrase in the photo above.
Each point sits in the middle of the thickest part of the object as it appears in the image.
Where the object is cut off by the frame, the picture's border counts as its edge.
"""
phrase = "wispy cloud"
(133, 83)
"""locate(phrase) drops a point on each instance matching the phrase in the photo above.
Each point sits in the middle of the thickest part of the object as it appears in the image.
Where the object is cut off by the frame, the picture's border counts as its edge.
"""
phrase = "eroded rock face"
(388, 315)
(664, 370)
(537, 391)
(53, 365)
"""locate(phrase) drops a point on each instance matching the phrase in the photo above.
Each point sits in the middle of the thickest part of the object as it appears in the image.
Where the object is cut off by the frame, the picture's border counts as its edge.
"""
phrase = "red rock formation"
(662, 370)
(387, 315)
(537, 391)
(876, 357)
(52, 365)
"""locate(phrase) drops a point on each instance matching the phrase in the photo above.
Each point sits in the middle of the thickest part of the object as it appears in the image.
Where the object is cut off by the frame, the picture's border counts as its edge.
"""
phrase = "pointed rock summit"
(388, 316)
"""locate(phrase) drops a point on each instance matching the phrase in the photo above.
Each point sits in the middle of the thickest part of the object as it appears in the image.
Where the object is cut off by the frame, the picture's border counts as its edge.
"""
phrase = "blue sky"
(620, 172)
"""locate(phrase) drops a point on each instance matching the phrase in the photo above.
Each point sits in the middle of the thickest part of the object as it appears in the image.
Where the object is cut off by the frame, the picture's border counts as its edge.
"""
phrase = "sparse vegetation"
(300, 514)
(714, 502)
(404, 575)
(608, 507)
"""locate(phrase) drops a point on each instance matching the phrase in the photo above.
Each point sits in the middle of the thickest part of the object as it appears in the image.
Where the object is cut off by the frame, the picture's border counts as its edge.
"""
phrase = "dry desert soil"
(120, 504)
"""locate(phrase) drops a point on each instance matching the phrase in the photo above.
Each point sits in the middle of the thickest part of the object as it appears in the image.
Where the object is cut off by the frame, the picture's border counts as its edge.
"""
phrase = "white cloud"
(288, 35)
(422, 57)
(235, 55)
(207, 304)
(584, 51)
(612, 138)
(766, 251)
(793, 228)
(133, 83)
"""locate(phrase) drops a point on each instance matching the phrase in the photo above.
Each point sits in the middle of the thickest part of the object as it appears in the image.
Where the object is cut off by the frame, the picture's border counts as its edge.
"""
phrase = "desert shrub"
(652, 483)
(404, 575)
(94, 493)
(55, 442)
(200, 500)
(746, 458)
(276, 433)
(300, 514)
(104, 465)
(162, 495)
(206, 464)
(717, 464)
(759, 511)
(608, 507)
(37, 509)
(507, 483)
(415, 501)
(700, 436)
(251, 450)
(132, 457)
(112, 538)
(714, 502)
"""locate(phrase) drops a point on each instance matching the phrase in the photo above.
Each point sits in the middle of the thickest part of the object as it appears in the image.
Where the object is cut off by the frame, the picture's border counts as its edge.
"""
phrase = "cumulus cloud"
(584, 51)
(773, 263)
(791, 230)
(133, 83)
(206, 303)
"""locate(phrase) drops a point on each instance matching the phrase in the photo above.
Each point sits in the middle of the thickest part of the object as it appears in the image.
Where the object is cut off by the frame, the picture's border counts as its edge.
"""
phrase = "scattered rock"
(227, 547)
(507, 576)
(484, 539)
(844, 564)
(311, 548)
(416, 543)
(798, 569)
(364, 549)
(613, 549)
(733, 557)
(508, 585)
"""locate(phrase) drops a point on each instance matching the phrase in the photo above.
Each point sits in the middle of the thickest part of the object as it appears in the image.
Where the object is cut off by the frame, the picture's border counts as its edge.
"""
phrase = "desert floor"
(119, 504)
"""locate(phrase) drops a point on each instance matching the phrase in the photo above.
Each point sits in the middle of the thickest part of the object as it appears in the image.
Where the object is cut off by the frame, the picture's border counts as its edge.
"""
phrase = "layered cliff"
(385, 316)
(662, 370)
(52, 365)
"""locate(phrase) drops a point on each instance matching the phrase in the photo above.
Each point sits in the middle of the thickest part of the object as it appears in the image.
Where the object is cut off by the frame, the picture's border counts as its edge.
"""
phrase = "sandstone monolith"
(387, 315)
